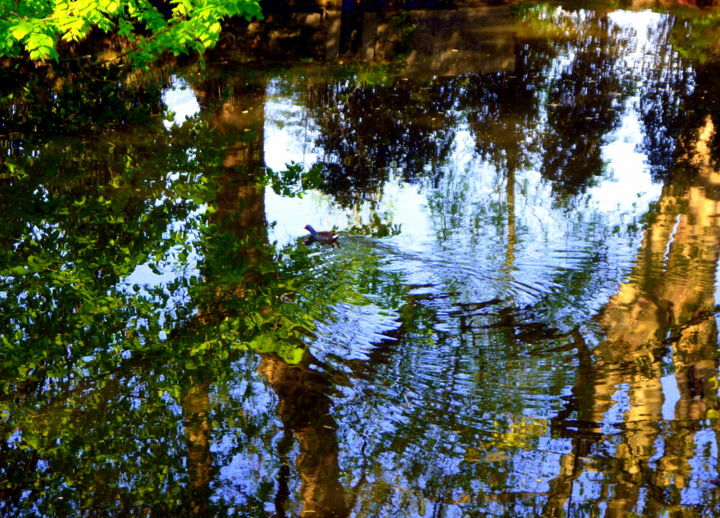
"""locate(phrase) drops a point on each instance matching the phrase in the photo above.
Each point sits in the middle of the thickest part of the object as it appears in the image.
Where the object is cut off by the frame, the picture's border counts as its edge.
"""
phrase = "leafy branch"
(39, 29)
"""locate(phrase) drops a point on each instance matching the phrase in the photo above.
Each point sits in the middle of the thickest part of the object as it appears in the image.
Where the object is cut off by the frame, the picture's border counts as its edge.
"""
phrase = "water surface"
(519, 319)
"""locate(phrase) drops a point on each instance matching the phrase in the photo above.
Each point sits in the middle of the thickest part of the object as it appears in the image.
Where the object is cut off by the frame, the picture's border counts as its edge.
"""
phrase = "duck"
(324, 237)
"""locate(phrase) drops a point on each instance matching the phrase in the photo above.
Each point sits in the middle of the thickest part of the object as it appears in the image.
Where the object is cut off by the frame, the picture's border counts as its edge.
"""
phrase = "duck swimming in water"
(324, 237)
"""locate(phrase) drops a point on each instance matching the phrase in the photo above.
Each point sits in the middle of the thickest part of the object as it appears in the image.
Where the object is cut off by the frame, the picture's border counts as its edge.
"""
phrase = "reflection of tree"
(673, 295)
(693, 34)
(503, 114)
(369, 130)
(238, 217)
(113, 397)
(127, 359)
(83, 209)
(250, 288)
(668, 301)
(304, 409)
(82, 345)
(701, 103)
(65, 99)
(195, 402)
(106, 176)
(676, 95)
(666, 80)
(583, 105)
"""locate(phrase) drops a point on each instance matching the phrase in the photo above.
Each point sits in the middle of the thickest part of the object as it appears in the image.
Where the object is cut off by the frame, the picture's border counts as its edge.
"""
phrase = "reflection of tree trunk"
(196, 408)
(240, 216)
(673, 281)
(240, 200)
(508, 267)
(512, 235)
(304, 409)
(582, 431)
(668, 299)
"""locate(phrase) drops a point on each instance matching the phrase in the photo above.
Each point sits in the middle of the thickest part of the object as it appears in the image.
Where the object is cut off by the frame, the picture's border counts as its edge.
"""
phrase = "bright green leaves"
(36, 36)
(35, 29)
(294, 181)
(21, 30)
(194, 26)
(41, 46)
(182, 7)
(269, 343)
(74, 30)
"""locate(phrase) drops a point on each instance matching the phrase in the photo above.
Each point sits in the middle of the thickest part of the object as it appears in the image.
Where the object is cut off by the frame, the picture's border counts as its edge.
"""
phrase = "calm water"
(520, 318)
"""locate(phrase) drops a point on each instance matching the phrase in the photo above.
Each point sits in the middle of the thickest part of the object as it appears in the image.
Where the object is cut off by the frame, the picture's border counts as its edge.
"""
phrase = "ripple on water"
(354, 331)
(471, 340)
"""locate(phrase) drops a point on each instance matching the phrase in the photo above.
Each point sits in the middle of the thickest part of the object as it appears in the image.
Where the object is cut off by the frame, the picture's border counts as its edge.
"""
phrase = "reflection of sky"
(181, 102)
(627, 186)
(290, 136)
(672, 396)
(180, 99)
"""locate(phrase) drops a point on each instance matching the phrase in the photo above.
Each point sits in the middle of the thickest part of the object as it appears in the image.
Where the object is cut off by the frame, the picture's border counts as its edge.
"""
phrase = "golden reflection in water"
(668, 301)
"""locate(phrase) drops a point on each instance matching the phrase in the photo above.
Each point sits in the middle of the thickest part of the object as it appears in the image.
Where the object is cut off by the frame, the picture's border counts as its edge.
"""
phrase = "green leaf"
(21, 30)
(39, 40)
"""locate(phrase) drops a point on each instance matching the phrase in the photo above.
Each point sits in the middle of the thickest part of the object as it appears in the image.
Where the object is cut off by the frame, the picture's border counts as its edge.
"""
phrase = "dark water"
(520, 318)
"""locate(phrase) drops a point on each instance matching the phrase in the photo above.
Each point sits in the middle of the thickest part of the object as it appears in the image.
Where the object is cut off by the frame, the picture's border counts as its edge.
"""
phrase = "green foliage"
(294, 180)
(694, 36)
(39, 29)
(122, 289)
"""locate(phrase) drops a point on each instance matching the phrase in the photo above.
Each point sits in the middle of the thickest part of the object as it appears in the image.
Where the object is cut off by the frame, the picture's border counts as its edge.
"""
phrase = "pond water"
(518, 319)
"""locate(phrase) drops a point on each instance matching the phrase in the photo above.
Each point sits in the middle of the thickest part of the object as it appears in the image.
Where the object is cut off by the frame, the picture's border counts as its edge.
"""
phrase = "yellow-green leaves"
(34, 29)
(41, 46)
(21, 30)
(74, 30)
(182, 7)
(35, 36)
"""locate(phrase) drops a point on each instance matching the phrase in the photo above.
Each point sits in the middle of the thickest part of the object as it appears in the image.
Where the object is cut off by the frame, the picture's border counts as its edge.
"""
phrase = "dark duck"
(323, 237)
